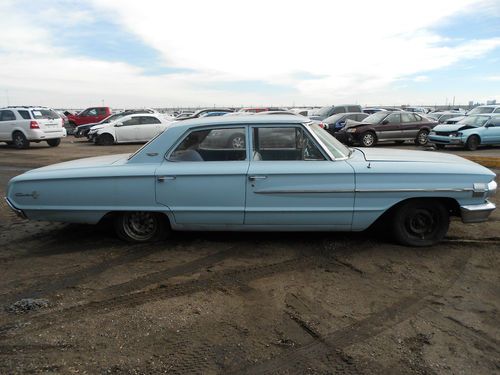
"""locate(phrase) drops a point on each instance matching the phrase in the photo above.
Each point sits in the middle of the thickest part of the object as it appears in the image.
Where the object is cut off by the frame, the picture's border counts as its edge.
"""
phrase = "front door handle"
(253, 178)
(164, 178)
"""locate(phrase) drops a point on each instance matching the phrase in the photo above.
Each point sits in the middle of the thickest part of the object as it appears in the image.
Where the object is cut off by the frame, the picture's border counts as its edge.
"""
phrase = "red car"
(88, 116)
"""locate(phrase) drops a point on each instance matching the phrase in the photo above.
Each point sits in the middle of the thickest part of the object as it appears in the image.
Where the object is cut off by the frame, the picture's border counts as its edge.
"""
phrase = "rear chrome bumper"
(476, 213)
(18, 212)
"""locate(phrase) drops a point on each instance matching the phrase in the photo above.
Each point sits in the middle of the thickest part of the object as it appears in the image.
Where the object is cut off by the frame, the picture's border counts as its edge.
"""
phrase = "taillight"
(34, 125)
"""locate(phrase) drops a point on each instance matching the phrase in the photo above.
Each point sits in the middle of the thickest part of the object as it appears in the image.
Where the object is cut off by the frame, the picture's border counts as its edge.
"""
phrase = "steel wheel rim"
(237, 142)
(368, 139)
(421, 223)
(18, 140)
(422, 138)
(140, 226)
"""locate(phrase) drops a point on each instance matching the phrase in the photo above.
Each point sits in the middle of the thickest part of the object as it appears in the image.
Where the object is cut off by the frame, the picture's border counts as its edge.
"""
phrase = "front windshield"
(479, 110)
(337, 149)
(322, 111)
(375, 118)
(476, 121)
(111, 118)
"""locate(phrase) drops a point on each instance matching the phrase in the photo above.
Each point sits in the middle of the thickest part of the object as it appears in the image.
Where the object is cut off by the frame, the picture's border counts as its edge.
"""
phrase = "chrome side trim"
(476, 213)
(305, 191)
(415, 190)
(18, 212)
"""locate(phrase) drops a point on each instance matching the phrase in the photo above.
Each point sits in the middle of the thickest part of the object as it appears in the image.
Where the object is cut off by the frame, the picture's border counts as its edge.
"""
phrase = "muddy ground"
(241, 303)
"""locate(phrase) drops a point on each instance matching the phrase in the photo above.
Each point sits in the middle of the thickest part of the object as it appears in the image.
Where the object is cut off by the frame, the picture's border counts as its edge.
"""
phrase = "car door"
(291, 181)
(127, 130)
(409, 125)
(491, 132)
(203, 179)
(148, 127)
(389, 128)
(7, 123)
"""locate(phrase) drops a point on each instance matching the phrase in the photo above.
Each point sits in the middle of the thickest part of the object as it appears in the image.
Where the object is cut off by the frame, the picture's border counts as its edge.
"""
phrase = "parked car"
(372, 110)
(206, 112)
(290, 175)
(88, 116)
(21, 125)
(338, 121)
(482, 109)
(471, 132)
(139, 127)
(328, 111)
(83, 130)
(260, 109)
(387, 126)
(420, 110)
(442, 117)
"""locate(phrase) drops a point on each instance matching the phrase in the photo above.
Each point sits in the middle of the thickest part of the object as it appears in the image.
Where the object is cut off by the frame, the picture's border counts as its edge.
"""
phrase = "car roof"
(241, 120)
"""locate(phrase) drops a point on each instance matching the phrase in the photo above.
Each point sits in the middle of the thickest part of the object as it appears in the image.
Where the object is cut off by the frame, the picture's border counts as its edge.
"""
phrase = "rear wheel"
(54, 142)
(472, 143)
(105, 139)
(20, 141)
(420, 223)
(368, 139)
(141, 226)
(422, 138)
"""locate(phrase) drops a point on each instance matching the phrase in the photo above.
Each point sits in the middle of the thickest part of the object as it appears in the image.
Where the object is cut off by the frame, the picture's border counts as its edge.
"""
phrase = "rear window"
(46, 114)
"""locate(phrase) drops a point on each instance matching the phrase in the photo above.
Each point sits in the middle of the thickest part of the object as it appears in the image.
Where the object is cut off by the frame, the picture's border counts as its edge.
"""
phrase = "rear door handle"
(164, 178)
(253, 178)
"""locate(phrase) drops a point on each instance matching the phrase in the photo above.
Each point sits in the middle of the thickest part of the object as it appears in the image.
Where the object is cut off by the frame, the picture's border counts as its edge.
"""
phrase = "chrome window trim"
(321, 144)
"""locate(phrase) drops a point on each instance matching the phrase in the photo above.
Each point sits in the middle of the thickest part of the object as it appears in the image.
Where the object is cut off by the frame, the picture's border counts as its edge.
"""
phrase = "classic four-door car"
(289, 174)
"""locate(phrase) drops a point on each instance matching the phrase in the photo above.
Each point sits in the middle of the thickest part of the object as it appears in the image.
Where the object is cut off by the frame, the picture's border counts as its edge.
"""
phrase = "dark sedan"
(387, 126)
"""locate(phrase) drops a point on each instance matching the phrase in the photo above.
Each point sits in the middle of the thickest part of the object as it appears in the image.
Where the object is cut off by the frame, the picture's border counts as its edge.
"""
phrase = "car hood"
(97, 161)
(97, 127)
(353, 124)
(452, 127)
(393, 155)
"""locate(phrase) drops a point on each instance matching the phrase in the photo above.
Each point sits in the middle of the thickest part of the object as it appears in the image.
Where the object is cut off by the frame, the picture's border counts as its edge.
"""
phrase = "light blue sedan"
(287, 174)
(471, 132)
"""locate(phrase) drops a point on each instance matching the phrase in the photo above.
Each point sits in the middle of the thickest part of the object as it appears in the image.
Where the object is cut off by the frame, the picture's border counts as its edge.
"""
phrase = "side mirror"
(385, 122)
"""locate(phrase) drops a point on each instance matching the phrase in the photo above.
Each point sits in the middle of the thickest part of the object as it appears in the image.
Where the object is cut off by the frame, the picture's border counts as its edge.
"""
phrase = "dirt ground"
(242, 303)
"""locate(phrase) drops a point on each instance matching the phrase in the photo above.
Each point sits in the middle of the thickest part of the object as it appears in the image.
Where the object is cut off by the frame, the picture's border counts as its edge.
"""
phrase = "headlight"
(492, 189)
(432, 132)
(351, 130)
(456, 134)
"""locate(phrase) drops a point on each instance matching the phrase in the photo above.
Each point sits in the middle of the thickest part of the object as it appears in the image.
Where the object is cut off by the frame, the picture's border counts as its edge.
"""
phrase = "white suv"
(21, 125)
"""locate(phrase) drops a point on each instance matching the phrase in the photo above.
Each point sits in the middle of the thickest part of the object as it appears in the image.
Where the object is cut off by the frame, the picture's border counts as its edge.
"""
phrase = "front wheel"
(368, 139)
(472, 143)
(141, 226)
(420, 223)
(422, 138)
(54, 142)
(105, 139)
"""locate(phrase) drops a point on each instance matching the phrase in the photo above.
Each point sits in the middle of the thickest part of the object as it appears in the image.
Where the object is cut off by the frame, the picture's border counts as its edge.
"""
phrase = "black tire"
(472, 143)
(20, 141)
(54, 142)
(420, 223)
(368, 139)
(105, 139)
(422, 138)
(141, 226)
(237, 141)
(9, 143)
(439, 146)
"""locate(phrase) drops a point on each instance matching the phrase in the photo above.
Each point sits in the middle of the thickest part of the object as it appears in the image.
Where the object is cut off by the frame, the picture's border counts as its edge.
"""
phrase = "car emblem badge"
(34, 195)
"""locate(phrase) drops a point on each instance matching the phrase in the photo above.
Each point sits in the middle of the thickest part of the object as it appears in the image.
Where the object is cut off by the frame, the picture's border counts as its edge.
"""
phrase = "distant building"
(491, 102)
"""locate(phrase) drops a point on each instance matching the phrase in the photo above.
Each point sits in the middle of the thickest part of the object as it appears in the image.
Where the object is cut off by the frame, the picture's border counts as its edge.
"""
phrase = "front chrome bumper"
(476, 213)
(18, 212)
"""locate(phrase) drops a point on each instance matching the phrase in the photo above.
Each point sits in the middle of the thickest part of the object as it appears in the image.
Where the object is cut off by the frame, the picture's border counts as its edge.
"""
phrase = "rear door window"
(149, 120)
(25, 115)
(133, 121)
(394, 118)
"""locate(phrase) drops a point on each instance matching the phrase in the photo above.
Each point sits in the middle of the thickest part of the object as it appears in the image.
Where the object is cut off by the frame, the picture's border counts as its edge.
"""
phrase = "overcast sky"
(202, 53)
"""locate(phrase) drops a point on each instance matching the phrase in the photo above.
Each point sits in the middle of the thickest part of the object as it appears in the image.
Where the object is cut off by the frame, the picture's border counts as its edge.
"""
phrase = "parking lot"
(251, 303)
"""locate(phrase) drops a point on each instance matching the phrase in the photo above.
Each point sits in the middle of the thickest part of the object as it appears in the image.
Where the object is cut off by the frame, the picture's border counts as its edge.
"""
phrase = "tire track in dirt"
(223, 279)
(359, 331)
